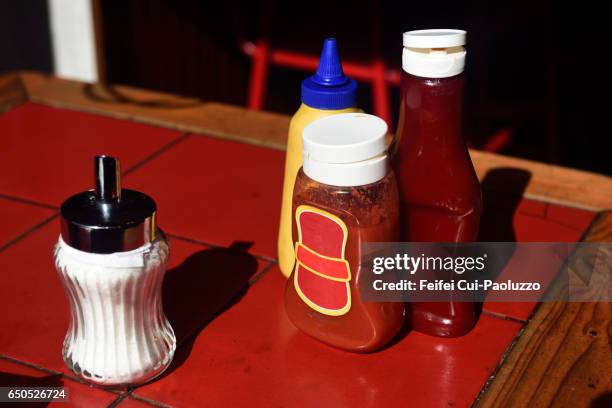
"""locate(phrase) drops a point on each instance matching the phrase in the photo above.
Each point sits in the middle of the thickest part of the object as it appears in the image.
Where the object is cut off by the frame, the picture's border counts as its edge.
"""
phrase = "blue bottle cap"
(329, 88)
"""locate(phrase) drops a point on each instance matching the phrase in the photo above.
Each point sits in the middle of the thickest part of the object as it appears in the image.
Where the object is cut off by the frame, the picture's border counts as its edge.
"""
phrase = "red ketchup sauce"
(440, 198)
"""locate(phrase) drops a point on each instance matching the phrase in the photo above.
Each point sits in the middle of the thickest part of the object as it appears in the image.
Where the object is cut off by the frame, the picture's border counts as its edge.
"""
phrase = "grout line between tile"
(208, 244)
(28, 231)
(53, 372)
(261, 274)
(500, 363)
(157, 153)
(203, 324)
(150, 401)
(502, 317)
(267, 258)
(133, 168)
(564, 225)
(29, 365)
(550, 220)
(545, 218)
(48, 206)
(243, 140)
(21, 200)
(117, 400)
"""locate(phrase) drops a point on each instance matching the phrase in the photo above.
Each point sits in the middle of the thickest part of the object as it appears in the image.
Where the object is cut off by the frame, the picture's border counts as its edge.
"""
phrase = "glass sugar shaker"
(111, 259)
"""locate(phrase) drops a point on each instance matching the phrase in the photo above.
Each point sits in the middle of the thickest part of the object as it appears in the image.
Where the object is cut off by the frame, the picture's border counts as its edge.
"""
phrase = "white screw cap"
(437, 53)
(346, 149)
(436, 38)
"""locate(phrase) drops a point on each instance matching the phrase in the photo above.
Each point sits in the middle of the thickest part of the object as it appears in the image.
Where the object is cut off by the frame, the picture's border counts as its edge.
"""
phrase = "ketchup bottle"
(440, 198)
(344, 195)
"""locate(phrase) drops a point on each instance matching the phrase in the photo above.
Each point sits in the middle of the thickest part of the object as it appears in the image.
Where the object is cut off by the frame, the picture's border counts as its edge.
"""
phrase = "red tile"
(536, 229)
(216, 191)
(32, 292)
(18, 217)
(48, 152)
(527, 264)
(532, 207)
(530, 229)
(570, 217)
(80, 395)
(199, 283)
(136, 403)
(253, 354)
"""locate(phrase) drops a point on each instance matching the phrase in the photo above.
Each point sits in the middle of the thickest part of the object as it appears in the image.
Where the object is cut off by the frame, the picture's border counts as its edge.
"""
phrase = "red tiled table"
(215, 172)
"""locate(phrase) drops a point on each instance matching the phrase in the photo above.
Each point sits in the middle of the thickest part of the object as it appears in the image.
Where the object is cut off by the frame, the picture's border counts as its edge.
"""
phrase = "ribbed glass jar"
(118, 334)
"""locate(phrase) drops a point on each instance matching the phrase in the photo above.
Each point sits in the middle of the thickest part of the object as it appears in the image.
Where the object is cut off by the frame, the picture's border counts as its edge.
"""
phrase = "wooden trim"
(550, 183)
(12, 91)
(547, 183)
(166, 110)
(562, 358)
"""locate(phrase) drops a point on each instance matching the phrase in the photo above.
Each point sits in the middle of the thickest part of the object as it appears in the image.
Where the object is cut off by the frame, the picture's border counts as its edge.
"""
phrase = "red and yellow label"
(322, 273)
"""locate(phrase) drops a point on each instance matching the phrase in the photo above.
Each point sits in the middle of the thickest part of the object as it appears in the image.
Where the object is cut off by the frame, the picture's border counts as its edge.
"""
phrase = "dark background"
(25, 42)
(537, 70)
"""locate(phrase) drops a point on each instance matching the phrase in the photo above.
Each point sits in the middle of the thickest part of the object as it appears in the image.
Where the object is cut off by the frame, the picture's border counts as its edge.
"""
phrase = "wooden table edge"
(12, 91)
(562, 357)
(548, 183)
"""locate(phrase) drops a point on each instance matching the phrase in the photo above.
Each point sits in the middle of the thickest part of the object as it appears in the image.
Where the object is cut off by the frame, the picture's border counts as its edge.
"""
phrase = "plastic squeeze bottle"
(345, 195)
(440, 199)
(325, 93)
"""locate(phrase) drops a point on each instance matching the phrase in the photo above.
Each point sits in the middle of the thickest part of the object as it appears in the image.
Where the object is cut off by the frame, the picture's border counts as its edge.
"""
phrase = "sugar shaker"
(111, 258)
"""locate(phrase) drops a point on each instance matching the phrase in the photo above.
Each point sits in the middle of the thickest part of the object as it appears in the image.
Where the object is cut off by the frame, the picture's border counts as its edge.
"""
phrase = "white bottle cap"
(346, 149)
(434, 53)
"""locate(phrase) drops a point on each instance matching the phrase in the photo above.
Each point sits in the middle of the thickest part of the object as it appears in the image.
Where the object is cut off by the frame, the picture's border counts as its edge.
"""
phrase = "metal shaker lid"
(108, 219)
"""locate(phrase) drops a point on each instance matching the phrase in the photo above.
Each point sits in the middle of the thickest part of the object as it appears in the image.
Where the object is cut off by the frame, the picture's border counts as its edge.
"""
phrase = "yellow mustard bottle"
(327, 92)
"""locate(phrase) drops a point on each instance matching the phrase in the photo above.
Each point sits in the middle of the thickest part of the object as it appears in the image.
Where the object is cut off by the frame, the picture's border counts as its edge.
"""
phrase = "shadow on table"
(602, 401)
(205, 285)
(502, 192)
(102, 92)
(19, 380)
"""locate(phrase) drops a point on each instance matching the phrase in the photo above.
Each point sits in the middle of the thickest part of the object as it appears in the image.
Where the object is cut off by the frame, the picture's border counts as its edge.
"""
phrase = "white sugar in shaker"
(112, 259)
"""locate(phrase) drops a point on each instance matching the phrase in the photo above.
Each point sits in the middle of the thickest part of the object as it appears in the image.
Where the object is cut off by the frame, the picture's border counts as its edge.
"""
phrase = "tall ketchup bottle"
(440, 198)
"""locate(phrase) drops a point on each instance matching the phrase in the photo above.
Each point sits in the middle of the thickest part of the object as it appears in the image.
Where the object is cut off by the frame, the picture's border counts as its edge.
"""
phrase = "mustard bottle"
(325, 93)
